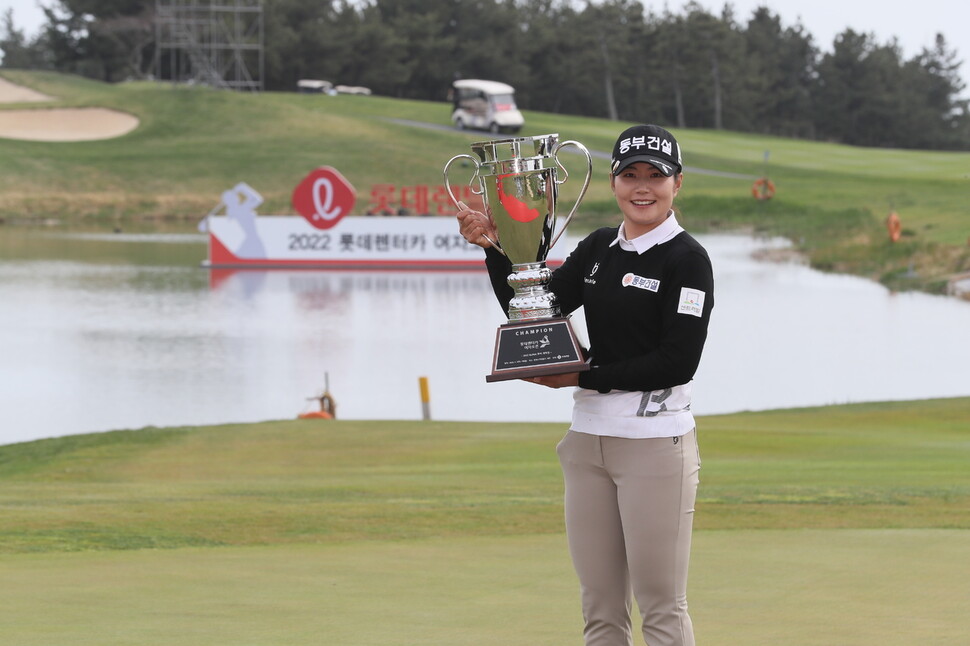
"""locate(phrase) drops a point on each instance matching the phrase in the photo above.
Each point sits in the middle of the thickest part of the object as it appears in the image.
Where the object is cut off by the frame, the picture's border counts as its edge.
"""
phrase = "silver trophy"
(518, 182)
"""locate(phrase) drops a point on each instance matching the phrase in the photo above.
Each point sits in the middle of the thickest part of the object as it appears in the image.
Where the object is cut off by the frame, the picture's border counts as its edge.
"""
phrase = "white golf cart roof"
(488, 87)
(314, 84)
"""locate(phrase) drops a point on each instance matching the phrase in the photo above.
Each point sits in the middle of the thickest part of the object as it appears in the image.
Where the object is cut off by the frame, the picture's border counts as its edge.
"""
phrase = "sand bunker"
(58, 124)
(65, 124)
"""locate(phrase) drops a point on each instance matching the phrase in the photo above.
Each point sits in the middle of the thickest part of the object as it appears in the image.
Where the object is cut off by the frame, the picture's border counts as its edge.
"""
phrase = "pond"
(110, 331)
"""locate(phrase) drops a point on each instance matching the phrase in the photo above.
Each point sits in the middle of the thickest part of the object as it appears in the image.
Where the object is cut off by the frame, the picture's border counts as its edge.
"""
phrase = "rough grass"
(873, 466)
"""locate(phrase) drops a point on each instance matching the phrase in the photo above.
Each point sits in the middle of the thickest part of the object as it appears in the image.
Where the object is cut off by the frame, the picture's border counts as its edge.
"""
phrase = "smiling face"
(644, 196)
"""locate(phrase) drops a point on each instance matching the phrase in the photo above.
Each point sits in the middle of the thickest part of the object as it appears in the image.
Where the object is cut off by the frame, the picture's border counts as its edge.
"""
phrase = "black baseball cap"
(651, 144)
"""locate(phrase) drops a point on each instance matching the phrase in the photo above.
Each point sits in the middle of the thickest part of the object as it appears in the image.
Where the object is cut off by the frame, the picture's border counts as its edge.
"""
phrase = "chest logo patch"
(691, 302)
(632, 280)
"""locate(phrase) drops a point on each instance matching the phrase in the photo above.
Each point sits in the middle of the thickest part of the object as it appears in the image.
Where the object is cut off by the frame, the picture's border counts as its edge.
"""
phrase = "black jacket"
(644, 332)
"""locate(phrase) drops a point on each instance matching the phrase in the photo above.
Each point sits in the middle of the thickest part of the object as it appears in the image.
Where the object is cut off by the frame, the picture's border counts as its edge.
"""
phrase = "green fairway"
(194, 143)
(760, 588)
(839, 525)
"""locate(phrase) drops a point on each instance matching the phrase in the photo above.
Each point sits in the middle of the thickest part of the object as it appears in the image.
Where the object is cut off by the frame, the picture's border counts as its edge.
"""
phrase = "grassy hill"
(845, 525)
(194, 142)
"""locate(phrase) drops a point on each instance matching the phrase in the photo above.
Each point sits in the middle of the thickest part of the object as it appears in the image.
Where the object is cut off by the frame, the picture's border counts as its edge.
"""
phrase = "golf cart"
(485, 105)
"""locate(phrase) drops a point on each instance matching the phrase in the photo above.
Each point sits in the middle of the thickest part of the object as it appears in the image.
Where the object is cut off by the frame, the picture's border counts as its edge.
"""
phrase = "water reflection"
(786, 335)
(89, 346)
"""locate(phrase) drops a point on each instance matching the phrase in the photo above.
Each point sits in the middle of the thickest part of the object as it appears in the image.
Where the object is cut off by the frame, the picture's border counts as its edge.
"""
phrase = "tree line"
(610, 59)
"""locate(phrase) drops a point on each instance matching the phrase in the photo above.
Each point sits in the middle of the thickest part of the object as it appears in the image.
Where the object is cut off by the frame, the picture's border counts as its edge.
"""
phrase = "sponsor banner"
(282, 240)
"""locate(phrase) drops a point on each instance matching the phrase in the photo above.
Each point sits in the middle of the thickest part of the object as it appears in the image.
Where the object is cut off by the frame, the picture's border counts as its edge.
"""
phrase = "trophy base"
(536, 348)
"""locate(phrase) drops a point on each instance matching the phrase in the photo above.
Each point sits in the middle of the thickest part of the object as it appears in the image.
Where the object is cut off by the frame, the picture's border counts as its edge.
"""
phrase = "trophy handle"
(582, 192)
(454, 200)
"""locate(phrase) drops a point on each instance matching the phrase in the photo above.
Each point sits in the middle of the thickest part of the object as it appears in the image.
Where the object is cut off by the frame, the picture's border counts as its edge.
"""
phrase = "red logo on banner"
(323, 197)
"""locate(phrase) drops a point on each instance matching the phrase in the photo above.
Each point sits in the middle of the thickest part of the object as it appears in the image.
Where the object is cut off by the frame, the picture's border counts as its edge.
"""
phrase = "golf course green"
(837, 525)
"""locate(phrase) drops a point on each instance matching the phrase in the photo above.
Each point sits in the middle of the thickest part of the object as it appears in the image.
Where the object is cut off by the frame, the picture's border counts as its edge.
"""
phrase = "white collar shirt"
(659, 235)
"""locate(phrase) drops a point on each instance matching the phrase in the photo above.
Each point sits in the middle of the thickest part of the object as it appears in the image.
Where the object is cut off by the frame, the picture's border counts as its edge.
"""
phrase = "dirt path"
(593, 153)
(13, 93)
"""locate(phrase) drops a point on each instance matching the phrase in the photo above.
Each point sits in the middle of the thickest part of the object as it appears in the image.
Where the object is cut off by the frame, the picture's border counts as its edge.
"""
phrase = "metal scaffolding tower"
(212, 42)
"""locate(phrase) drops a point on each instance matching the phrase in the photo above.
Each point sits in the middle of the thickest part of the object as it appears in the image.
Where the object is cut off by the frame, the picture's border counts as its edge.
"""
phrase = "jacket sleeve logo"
(691, 302)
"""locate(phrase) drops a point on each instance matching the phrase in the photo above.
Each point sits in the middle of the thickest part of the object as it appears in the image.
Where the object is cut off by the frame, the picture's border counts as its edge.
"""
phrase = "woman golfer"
(630, 461)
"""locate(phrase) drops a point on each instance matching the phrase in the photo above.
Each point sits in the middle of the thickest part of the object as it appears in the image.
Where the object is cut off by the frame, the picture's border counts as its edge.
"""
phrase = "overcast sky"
(913, 24)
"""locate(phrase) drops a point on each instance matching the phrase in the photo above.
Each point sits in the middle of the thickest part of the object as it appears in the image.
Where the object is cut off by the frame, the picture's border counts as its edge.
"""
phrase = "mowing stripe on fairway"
(768, 587)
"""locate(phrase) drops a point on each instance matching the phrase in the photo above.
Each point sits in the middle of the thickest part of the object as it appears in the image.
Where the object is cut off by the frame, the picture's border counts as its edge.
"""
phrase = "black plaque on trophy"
(536, 348)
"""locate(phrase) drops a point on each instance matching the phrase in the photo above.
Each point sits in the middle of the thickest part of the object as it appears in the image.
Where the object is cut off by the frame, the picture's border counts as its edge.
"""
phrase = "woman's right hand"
(475, 226)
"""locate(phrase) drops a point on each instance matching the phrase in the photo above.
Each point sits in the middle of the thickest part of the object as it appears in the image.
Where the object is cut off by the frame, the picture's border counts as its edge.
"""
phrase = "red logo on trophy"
(515, 207)
(323, 197)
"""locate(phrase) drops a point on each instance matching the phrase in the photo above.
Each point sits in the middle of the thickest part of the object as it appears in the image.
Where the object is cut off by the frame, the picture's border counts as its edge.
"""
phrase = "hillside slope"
(192, 143)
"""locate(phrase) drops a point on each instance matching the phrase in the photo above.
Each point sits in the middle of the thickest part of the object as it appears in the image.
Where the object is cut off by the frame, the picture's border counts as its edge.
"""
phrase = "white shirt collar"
(659, 235)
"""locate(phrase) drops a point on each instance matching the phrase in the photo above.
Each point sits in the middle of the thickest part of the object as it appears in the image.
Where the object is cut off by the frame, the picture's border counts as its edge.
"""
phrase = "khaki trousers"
(629, 511)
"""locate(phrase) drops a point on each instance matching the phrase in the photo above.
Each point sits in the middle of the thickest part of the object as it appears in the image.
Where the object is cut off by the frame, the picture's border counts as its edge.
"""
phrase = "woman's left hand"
(476, 227)
(556, 381)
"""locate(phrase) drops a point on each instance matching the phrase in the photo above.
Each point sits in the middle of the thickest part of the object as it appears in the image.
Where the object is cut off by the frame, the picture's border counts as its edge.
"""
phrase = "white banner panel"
(354, 241)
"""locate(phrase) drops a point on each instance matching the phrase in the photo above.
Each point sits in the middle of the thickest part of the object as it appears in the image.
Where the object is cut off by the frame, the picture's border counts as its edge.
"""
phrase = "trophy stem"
(532, 300)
